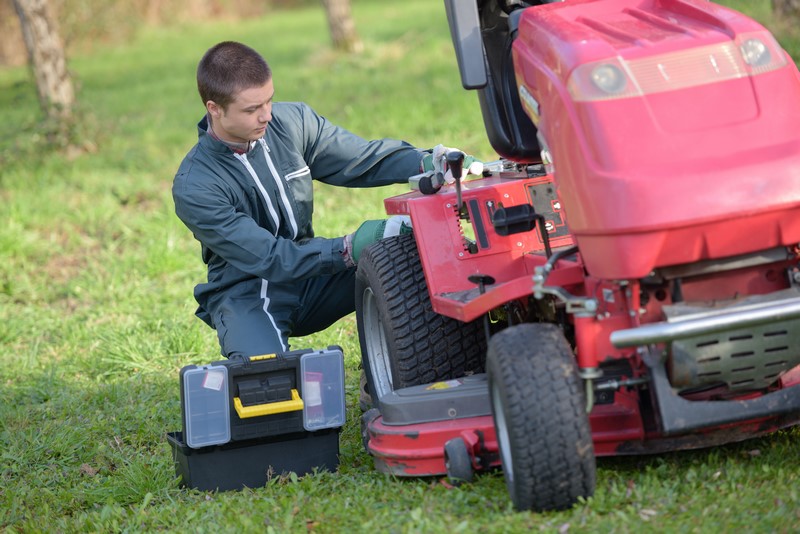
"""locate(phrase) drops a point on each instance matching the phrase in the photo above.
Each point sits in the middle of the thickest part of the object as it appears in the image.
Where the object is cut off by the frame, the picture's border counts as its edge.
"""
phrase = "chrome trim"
(710, 322)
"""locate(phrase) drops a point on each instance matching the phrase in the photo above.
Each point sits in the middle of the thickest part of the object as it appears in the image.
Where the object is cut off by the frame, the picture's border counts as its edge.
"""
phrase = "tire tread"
(549, 435)
(424, 345)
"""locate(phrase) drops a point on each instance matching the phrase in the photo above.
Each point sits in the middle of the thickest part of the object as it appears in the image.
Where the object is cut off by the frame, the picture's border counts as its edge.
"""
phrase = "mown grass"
(96, 315)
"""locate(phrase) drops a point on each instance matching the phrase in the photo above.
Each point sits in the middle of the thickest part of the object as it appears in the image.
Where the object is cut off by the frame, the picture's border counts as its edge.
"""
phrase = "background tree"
(342, 27)
(786, 8)
(47, 60)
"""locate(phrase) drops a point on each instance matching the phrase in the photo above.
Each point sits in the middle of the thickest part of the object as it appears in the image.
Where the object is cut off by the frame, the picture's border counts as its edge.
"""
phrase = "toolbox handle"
(269, 408)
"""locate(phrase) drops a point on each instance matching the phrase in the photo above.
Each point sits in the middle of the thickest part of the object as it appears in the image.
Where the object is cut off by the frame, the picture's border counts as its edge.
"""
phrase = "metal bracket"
(679, 415)
(576, 305)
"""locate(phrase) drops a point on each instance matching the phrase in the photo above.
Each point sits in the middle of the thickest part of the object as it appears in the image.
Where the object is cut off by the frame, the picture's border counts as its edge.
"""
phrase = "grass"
(96, 315)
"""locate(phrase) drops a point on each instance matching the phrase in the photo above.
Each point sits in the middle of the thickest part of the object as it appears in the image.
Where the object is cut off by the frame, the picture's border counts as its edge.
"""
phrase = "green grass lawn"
(96, 313)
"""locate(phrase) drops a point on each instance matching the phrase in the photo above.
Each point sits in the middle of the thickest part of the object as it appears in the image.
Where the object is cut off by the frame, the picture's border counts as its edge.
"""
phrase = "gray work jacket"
(252, 212)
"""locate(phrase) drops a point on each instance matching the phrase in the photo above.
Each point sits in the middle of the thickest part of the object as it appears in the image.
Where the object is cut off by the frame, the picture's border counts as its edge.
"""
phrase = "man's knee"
(249, 334)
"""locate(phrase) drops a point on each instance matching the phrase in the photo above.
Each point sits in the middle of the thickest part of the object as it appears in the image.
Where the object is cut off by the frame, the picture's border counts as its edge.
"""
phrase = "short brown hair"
(227, 68)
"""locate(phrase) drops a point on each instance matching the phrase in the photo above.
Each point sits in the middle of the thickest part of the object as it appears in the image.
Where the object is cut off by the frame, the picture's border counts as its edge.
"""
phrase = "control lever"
(455, 161)
(483, 280)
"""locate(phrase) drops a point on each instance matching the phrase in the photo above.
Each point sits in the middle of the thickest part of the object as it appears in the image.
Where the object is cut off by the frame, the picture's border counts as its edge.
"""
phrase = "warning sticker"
(444, 385)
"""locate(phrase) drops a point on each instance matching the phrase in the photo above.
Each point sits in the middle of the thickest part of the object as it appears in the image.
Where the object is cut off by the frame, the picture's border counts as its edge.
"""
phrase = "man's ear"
(214, 109)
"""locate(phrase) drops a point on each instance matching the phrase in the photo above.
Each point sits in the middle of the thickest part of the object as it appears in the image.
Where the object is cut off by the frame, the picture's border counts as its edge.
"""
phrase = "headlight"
(755, 53)
(609, 78)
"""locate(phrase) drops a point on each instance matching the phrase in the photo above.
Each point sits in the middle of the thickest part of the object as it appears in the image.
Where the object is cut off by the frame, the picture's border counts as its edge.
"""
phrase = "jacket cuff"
(338, 255)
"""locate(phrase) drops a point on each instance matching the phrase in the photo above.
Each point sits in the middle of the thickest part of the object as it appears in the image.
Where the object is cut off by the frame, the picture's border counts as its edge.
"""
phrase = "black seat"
(510, 131)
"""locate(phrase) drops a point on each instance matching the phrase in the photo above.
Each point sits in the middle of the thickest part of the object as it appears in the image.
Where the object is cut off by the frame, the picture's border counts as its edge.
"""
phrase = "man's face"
(246, 118)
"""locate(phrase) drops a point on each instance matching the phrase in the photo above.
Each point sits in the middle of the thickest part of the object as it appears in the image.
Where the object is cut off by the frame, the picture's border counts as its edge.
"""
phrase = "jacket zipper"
(272, 212)
(284, 197)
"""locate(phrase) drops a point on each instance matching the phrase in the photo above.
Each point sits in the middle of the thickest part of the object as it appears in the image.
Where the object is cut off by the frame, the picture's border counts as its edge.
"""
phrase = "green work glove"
(437, 161)
(373, 231)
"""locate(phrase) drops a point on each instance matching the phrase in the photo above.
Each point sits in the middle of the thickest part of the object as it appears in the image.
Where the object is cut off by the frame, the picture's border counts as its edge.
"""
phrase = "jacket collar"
(208, 140)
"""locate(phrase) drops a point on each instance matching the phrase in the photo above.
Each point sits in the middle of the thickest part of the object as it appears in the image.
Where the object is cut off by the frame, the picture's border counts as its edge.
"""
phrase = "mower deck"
(410, 433)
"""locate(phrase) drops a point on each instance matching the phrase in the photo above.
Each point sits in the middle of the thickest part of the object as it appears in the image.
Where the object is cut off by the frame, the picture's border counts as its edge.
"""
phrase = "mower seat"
(482, 35)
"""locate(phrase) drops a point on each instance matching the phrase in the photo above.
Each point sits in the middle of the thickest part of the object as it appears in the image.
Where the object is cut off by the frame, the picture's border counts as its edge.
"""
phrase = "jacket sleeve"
(209, 212)
(339, 157)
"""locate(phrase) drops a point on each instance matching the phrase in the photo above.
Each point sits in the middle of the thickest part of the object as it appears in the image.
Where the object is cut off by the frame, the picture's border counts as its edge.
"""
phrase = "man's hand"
(437, 161)
(373, 231)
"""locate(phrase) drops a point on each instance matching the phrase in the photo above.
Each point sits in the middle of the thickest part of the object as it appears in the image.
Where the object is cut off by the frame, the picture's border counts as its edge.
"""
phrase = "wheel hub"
(376, 346)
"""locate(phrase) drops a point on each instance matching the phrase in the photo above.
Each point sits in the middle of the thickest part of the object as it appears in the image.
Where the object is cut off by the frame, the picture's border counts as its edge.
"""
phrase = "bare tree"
(47, 60)
(789, 9)
(342, 27)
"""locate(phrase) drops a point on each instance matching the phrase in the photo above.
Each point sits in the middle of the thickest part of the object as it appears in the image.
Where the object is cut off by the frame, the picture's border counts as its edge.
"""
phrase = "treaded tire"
(403, 341)
(539, 410)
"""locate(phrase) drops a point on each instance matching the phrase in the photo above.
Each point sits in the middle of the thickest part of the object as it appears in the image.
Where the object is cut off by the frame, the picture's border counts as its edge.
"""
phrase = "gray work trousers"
(261, 318)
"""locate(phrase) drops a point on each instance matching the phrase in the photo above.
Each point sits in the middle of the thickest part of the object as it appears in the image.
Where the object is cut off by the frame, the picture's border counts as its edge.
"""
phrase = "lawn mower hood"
(672, 128)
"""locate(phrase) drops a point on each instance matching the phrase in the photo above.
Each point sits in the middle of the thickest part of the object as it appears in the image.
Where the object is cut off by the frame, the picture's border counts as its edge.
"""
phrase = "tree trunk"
(47, 60)
(786, 8)
(343, 29)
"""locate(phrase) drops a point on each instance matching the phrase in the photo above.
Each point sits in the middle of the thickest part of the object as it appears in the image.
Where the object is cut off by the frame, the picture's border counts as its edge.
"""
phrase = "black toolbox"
(248, 419)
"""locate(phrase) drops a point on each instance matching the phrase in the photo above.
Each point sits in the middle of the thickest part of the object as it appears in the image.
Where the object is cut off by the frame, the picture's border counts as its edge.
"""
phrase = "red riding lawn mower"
(627, 275)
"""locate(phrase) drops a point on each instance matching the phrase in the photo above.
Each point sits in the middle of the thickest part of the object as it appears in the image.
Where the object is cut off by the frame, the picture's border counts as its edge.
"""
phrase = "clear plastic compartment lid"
(206, 410)
(322, 375)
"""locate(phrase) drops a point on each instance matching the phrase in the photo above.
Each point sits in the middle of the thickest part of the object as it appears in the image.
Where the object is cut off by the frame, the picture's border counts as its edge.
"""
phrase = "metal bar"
(678, 415)
(709, 323)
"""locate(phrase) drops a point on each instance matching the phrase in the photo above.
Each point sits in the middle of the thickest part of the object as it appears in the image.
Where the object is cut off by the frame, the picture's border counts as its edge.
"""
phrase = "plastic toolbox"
(247, 419)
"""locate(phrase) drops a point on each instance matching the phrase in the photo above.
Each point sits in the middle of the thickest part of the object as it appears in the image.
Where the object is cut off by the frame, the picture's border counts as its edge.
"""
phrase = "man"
(245, 191)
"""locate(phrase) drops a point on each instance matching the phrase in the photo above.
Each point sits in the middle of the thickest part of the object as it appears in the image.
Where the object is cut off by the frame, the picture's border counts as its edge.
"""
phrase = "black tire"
(403, 341)
(458, 462)
(539, 411)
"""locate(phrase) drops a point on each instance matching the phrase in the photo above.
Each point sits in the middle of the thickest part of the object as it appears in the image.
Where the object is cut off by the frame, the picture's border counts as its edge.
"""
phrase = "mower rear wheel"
(403, 341)
(539, 412)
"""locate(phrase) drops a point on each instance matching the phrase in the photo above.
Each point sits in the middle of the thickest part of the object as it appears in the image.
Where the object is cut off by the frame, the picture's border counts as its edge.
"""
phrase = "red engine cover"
(698, 157)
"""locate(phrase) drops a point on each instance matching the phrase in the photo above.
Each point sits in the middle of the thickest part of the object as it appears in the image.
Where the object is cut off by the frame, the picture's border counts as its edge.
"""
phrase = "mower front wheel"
(540, 418)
